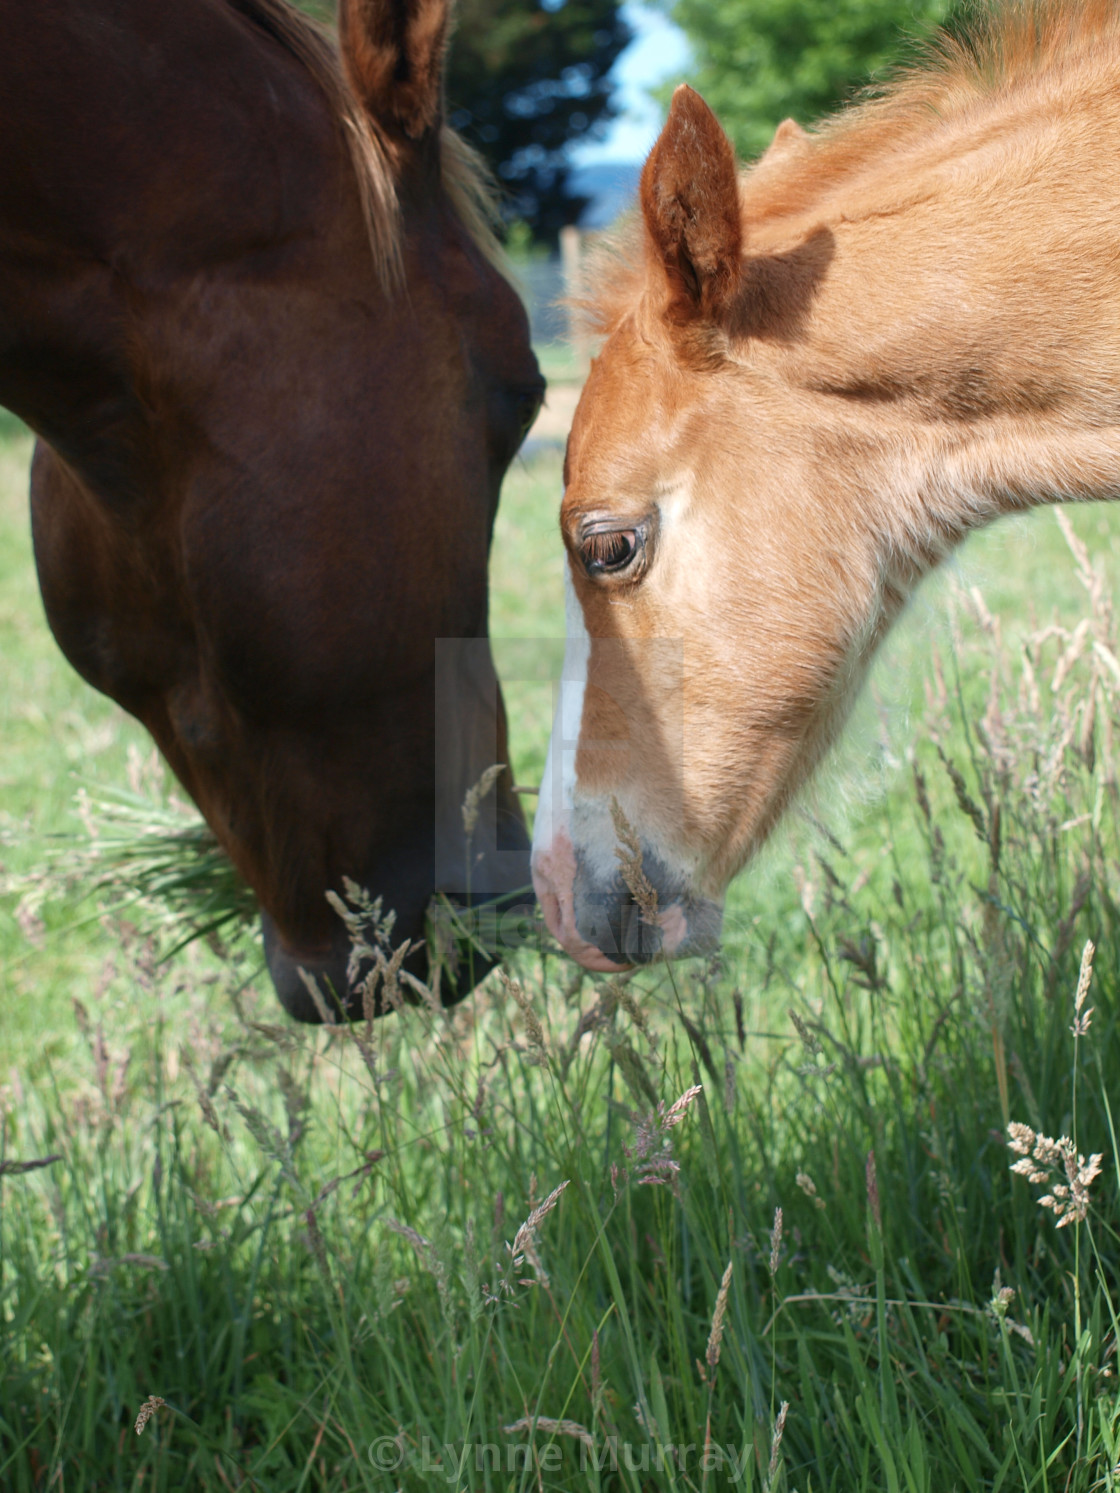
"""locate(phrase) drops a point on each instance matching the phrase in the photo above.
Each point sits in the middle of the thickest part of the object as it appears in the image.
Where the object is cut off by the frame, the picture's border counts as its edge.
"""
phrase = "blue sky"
(658, 50)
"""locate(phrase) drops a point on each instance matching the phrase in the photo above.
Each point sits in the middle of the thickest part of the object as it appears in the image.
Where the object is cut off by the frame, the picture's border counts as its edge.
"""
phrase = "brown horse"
(818, 377)
(249, 307)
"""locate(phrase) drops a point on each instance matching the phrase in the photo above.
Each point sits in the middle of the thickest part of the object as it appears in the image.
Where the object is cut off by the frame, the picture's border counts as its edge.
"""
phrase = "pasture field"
(744, 1224)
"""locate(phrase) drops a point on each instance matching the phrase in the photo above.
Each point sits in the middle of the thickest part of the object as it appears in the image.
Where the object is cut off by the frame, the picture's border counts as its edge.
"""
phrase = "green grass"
(56, 735)
(560, 363)
(227, 1223)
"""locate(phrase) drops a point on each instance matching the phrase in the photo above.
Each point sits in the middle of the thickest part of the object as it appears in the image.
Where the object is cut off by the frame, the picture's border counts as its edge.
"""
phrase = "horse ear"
(690, 201)
(789, 140)
(393, 52)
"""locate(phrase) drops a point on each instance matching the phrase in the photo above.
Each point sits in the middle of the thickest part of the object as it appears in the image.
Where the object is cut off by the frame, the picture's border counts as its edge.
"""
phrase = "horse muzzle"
(461, 908)
(466, 936)
(610, 921)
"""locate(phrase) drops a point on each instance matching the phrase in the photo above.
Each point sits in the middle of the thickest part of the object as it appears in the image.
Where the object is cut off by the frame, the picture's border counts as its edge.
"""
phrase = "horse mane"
(963, 69)
(465, 177)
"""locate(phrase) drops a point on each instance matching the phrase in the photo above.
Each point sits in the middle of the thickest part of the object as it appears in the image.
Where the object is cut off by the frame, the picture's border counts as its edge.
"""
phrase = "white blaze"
(554, 860)
(554, 807)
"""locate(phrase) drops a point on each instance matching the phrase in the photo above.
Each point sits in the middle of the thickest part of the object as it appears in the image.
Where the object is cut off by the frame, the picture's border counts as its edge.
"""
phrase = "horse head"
(251, 310)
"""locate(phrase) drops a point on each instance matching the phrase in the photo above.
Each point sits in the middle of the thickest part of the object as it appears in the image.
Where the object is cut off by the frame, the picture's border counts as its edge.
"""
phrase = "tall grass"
(751, 1223)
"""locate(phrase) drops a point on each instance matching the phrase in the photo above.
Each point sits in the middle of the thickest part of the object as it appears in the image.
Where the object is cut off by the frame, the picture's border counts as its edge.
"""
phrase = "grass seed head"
(534, 1031)
(809, 1040)
(205, 1103)
(776, 1243)
(809, 1188)
(1058, 1165)
(621, 993)
(628, 853)
(472, 804)
(421, 1245)
(872, 1180)
(679, 1107)
(311, 985)
(1081, 1018)
(147, 1410)
(776, 1441)
(552, 1427)
(633, 1072)
(525, 1240)
(433, 1256)
(317, 1244)
(1001, 1301)
(715, 1337)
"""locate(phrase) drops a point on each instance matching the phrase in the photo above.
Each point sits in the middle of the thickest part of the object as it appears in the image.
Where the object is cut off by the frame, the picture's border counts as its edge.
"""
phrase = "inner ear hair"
(393, 53)
(690, 203)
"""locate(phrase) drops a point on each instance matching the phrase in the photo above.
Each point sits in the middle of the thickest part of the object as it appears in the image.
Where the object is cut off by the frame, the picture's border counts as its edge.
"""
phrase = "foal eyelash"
(609, 549)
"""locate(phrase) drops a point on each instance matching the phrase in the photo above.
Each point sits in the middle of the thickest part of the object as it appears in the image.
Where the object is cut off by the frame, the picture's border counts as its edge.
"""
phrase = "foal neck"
(963, 331)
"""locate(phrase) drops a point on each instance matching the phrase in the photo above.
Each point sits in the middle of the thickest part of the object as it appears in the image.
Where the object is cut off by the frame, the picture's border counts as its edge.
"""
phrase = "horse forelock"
(465, 178)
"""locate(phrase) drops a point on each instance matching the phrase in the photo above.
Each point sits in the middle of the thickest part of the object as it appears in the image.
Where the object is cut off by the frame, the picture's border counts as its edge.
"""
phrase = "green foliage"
(760, 61)
(323, 11)
(490, 1245)
(138, 856)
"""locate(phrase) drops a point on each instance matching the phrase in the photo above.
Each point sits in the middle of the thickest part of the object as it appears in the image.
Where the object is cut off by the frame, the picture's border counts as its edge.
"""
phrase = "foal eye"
(609, 551)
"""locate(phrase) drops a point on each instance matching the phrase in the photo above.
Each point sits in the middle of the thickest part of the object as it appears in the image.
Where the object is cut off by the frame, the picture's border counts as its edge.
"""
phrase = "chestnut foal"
(818, 377)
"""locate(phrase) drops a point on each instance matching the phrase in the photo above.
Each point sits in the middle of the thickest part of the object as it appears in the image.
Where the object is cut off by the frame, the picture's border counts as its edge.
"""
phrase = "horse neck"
(962, 349)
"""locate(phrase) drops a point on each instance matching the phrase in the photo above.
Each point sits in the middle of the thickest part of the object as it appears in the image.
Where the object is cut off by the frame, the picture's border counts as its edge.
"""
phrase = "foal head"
(816, 379)
(710, 635)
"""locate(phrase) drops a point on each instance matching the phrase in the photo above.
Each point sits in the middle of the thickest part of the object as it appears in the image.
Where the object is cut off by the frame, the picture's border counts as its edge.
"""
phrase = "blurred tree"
(758, 61)
(526, 80)
(323, 11)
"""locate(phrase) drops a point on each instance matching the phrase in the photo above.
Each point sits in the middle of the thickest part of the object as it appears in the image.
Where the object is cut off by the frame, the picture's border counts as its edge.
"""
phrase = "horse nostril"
(680, 924)
(613, 922)
(638, 937)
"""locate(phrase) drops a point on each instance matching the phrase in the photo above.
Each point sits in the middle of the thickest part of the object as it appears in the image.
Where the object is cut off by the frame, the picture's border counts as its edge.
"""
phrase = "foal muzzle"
(636, 916)
(607, 922)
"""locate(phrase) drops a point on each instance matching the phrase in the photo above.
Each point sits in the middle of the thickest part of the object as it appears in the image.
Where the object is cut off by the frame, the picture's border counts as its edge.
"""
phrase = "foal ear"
(393, 51)
(789, 140)
(690, 201)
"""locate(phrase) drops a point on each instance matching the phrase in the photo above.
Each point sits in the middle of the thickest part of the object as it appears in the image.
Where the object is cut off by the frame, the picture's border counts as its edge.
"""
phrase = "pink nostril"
(674, 927)
(554, 877)
(550, 906)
